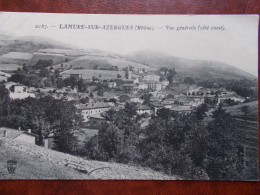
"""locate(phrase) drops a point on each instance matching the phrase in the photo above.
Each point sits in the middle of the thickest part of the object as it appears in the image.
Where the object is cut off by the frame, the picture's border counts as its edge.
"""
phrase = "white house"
(18, 91)
(25, 136)
(165, 83)
(154, 86)
(144, 109)
(142, 86)
(93, 108)
(111, 85)
(150, 77)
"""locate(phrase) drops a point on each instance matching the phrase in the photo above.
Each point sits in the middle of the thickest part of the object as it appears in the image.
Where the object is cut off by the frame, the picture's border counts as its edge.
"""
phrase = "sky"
(236, 45)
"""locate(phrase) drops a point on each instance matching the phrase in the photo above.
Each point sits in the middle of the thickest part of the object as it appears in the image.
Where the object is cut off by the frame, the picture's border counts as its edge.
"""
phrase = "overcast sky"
(237, 45)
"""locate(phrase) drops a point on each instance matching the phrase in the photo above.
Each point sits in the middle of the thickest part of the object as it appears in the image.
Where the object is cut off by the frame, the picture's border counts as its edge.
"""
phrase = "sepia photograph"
(128, 97)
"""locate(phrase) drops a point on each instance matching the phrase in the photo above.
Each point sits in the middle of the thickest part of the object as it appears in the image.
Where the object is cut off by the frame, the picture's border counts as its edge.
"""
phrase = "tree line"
(44, 116)
(177, 144)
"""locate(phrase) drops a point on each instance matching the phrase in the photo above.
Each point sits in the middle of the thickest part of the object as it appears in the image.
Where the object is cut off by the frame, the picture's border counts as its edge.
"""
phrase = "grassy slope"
(36, 162)
(32, 167)
(249, 126)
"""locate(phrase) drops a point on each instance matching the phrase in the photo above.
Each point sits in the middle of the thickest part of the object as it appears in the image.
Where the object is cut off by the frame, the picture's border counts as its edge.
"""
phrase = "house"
(158, 95)
(25, 136)
(130, 98)
(181, 109)
(93, 108)
(142, 86)
(128, 74)
(167, 104)
(96, 121)
(18, 91)
(165, 83)
(230, 95)
(155, 106)
(183, 101)
(150, 77)
(144, 109)
(48, 142)
(89, 74)
(154, 85)
(111, 85)
(129, 88)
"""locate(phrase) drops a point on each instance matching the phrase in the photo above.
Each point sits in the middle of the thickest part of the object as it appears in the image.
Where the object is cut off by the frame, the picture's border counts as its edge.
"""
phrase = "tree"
(170, 75)
(245, 109)
(146, 97)
(43, 64)
(84, 100)
(82, 87)
(56, 73)
(225, 157)
(67, 122)
(201, 111)
(60, 83)
(71, 81)
(17, 78)
(100, 92)
(25, 69)
(130, 109)
(189, 80)
(91, 95)
(164, 113)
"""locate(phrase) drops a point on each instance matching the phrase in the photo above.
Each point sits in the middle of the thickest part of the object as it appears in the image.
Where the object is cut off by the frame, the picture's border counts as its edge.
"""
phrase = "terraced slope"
(248, 125)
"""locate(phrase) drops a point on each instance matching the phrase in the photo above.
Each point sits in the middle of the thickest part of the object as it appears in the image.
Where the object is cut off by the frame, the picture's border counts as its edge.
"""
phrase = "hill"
(35, 162)
(186, 67)
(16, 51)
(104, 60)
(247, 125)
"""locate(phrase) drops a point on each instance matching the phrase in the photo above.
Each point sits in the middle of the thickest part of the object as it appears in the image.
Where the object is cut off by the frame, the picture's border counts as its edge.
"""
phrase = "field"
(248, 124)
(100, 74)
(104, 62)
(9, 67)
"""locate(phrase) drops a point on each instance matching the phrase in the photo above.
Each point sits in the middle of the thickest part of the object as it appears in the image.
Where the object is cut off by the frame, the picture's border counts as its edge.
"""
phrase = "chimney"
(5, 133)
(29, 131)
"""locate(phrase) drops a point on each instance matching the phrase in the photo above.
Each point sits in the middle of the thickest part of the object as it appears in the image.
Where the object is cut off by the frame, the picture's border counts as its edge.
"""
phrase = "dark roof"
(97, 116)
(180, 108)
(155, 104)
(93, 105)
(143, 107)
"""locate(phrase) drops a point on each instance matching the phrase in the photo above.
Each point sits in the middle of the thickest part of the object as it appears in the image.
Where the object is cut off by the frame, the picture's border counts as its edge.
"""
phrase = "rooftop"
(13, 133)
(143, 107)
(155, 104)
(97, 116)
(98, 105)
(180, 108)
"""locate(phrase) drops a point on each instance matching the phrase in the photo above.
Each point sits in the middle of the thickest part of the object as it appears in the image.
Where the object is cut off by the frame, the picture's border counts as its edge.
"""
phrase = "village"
(150, 90)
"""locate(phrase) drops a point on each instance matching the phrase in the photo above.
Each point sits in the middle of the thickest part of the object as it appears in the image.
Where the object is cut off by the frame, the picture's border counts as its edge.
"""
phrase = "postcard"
(146, 97)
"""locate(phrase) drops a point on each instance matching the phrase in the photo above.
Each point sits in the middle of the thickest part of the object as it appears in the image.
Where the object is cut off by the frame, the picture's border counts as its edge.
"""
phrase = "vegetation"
(44, 116)
(174, 143)
(243, 87)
